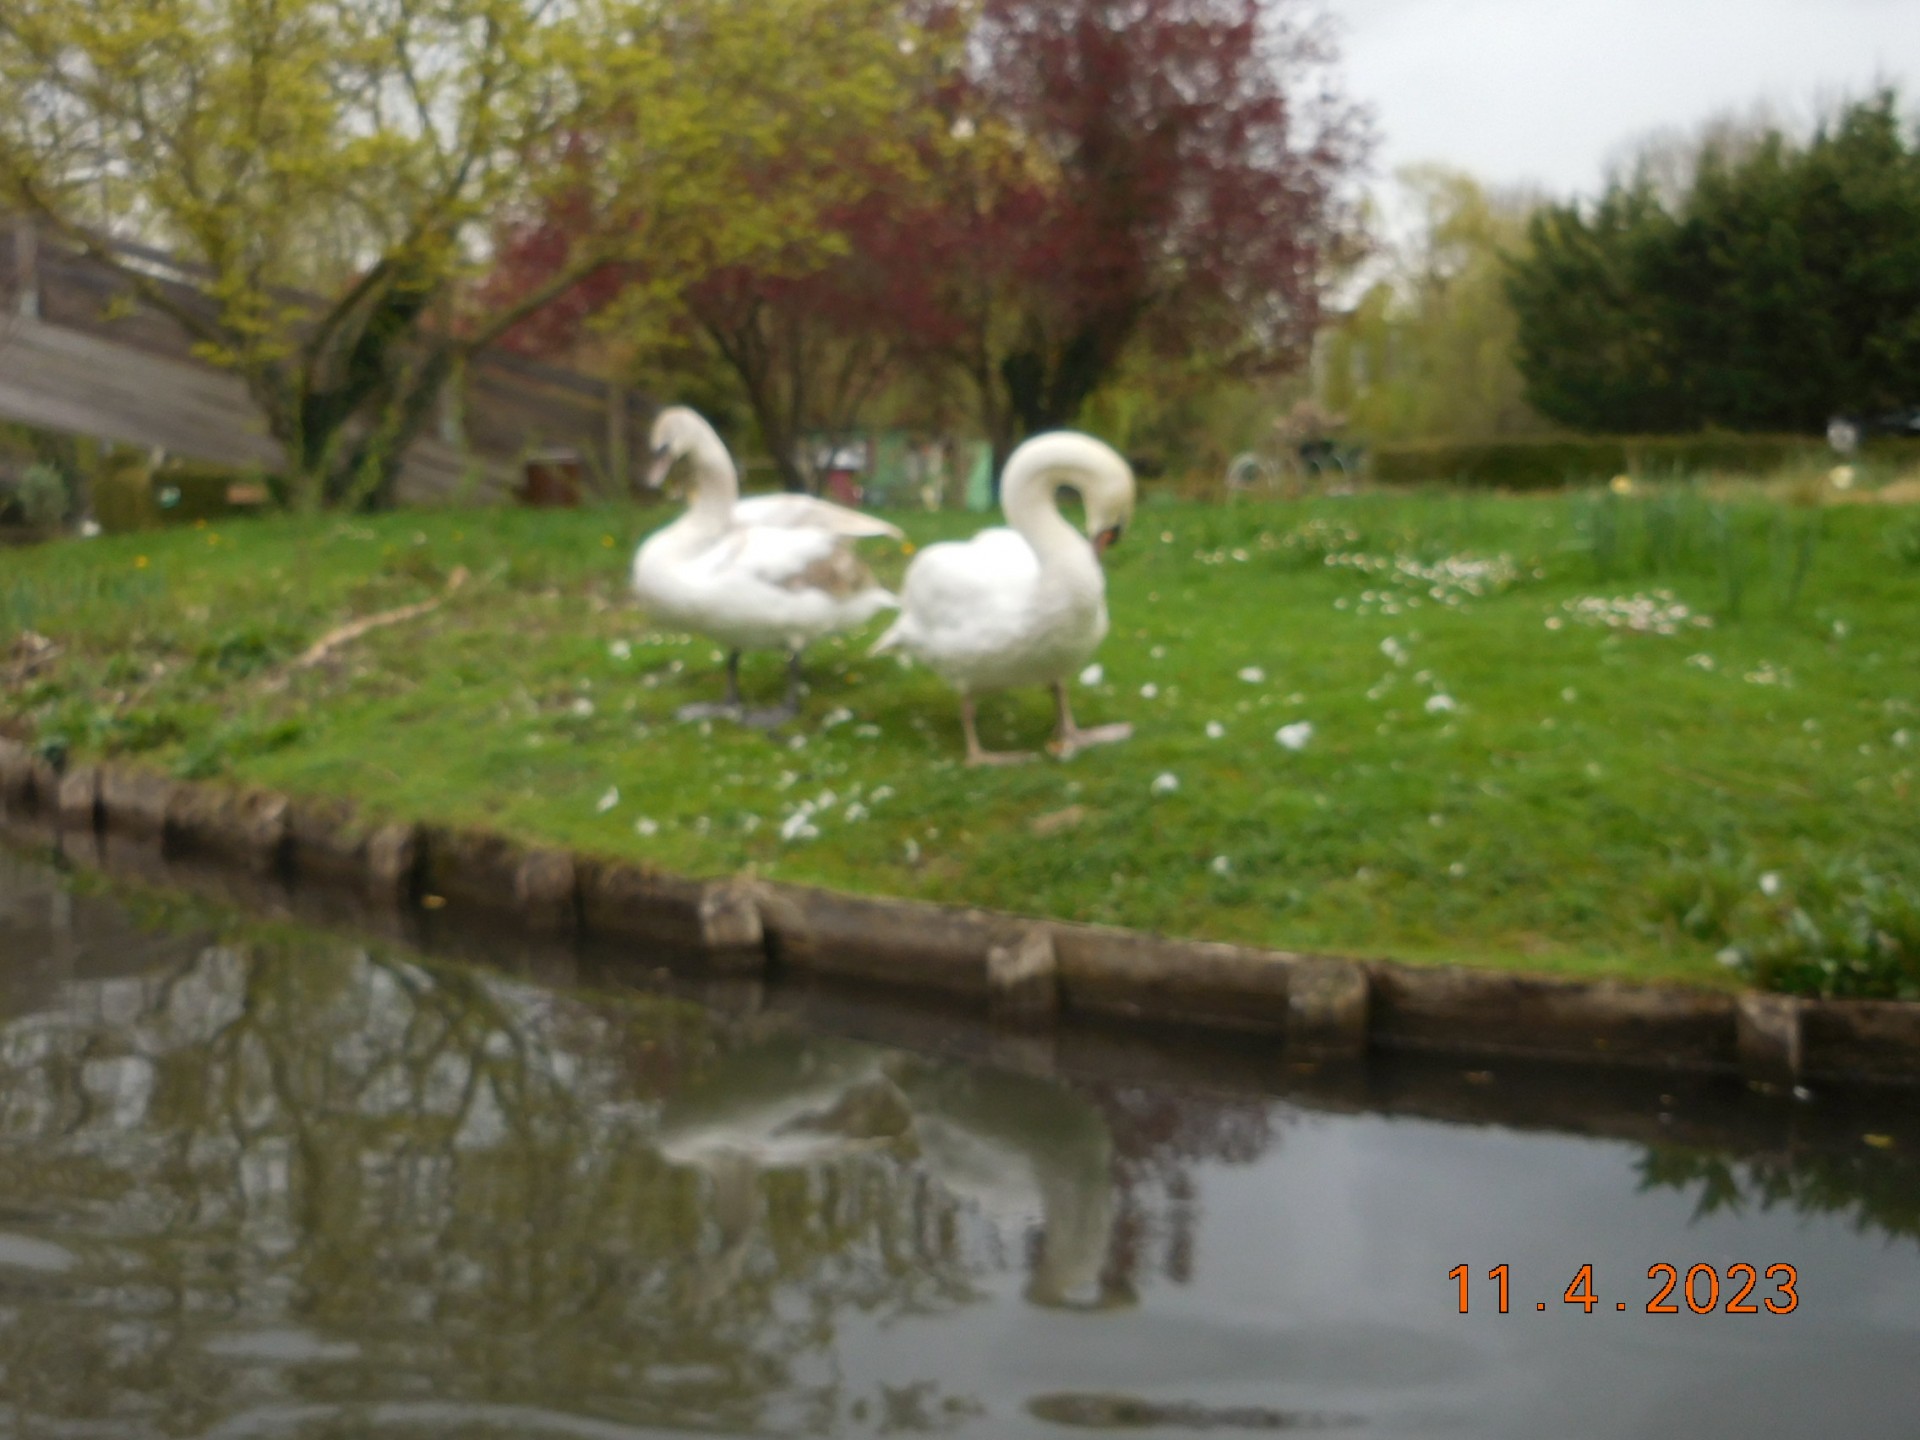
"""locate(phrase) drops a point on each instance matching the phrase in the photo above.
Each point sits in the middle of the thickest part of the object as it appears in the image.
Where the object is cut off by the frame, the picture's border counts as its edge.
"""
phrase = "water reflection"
(1877, 1193)
(292, 1185)
(298, 1171)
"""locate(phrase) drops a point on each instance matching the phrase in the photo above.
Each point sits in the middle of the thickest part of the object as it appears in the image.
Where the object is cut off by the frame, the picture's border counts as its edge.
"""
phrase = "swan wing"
(804, 512)
(950, 580)
(788, 559)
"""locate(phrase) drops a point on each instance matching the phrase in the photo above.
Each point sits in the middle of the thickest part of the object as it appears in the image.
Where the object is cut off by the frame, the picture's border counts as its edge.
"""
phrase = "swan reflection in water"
(1025, 1155)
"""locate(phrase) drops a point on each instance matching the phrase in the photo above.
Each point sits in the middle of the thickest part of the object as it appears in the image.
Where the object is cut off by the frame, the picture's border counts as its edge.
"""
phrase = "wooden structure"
(76, 355)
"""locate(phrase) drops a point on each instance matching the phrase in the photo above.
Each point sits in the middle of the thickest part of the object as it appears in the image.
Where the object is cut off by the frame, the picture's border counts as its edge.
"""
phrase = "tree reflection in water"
(1877, 1191)
(323, 1186)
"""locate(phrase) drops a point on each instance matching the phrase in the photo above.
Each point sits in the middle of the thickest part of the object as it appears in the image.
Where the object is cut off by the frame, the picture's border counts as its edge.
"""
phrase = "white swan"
(1026, 605)
(769, 573)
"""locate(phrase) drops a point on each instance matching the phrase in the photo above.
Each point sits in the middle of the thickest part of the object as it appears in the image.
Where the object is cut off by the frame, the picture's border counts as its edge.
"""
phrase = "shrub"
(185, 492)
(43, 497)
(1844, 929)
(1549, 464)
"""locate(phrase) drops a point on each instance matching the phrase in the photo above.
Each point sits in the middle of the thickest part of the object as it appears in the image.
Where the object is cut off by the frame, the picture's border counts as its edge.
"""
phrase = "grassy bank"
(1640, 736)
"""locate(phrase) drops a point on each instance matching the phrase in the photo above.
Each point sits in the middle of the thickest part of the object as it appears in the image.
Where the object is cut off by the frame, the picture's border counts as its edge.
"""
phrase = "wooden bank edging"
(1024, 971)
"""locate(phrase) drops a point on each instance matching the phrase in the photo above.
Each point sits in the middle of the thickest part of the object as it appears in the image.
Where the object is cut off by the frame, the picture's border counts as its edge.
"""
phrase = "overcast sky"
(1546, 91)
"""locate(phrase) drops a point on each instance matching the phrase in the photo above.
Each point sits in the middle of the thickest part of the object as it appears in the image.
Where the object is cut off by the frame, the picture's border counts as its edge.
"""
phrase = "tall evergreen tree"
(1781, 287)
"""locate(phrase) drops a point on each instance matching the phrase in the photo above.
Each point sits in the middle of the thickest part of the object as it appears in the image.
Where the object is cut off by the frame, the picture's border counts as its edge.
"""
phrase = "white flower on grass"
(867, 732)
(620, 650)
(1092, 675)
(608, 800)
(1215, 730)
(1456, 869)
(1253, 674)
(1441, 702)
(749, 823)
(854, 813)
(798, 742)
(1700, 662)
(881, 792)
(582, 707)
(1569, 694)
(1159, 652)
(1841, 477)
(1294, 736)
(1221, 865)
(1770, 884)
(1394, 650)
(1554, 622)
(1166, 537)
(912, 849)
(646, 828)
(839, 715)
(1731, 958)
(1149, 690)
(826, 800)
(799, 826)
(1165, 783)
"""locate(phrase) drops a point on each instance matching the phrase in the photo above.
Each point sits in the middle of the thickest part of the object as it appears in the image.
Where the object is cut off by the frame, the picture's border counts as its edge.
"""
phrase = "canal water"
(263, 1181)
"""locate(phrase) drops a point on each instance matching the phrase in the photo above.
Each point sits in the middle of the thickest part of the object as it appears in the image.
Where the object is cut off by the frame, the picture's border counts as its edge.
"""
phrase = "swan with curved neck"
(772, 572)
(1025, 604)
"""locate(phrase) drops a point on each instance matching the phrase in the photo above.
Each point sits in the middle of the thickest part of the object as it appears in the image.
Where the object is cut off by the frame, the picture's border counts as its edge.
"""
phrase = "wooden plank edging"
(1023, 970)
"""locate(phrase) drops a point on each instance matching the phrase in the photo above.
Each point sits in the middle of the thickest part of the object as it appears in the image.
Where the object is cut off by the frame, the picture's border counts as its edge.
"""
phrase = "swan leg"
(978, 756)
(787, 709)
(730, 708)
(1069, 739)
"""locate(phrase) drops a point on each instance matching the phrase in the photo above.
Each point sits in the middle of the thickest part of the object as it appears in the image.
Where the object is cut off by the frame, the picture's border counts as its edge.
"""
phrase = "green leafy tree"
(1428, 349)
(334, 168)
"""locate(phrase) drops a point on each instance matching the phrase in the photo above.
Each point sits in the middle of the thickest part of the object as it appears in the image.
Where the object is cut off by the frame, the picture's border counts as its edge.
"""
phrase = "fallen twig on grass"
(354, 629)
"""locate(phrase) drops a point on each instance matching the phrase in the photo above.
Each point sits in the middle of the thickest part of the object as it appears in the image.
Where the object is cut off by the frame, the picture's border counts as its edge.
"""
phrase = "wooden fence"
(78, 354)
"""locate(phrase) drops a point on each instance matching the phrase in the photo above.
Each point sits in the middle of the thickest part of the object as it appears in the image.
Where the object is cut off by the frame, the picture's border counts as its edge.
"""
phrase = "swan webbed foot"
(977, 756)
(1069, 743)
(710, 710)
(770, 718)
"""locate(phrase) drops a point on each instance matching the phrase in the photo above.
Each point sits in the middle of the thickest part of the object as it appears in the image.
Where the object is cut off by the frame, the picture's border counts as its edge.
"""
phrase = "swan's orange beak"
(1107, 539)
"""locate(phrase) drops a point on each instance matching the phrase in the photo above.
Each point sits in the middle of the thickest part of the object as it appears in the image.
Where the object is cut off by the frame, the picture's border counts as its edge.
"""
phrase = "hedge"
(1547, 464)
(130, 495)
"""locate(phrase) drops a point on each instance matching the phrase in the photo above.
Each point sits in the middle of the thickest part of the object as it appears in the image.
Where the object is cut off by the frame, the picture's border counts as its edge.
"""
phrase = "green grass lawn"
(1512, 759)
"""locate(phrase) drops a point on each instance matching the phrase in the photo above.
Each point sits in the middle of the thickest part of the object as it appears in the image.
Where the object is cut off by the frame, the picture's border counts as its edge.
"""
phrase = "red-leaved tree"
(1085, 177)
(1161, 172)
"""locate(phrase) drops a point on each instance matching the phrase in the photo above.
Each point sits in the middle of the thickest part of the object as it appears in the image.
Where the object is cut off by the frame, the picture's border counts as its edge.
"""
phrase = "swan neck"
(1029, 494)
(716, 484)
